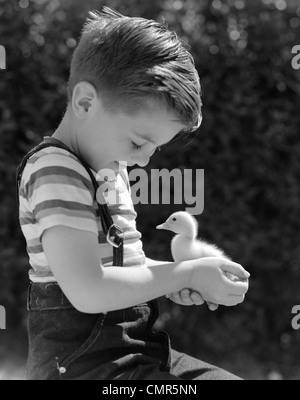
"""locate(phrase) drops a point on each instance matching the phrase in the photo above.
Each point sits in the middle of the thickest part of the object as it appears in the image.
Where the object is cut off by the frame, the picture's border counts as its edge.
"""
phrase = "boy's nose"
(143, 159)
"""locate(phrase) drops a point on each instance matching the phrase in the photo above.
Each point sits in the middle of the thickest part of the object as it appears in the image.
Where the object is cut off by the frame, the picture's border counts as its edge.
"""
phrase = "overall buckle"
(113, 235)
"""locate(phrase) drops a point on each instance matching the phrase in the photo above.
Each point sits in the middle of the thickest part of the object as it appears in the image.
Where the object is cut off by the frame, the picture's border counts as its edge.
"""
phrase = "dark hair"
(131, 60)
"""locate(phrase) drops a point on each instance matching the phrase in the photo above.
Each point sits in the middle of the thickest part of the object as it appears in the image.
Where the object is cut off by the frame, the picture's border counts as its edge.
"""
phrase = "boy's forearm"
(150, 262)
(92, 288)
(119, 288)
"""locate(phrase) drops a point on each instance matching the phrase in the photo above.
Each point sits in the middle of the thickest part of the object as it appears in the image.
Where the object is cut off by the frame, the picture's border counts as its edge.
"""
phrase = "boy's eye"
(135, 146)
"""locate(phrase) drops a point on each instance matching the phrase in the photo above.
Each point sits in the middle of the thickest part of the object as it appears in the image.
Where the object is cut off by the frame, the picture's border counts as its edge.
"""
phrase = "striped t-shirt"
(56, 190)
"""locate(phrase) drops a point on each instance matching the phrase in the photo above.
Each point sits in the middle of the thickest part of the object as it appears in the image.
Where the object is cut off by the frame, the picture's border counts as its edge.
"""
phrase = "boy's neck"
(66, 134)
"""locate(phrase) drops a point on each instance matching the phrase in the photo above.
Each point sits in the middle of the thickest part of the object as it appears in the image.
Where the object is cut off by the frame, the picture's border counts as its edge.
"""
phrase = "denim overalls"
(67, 344)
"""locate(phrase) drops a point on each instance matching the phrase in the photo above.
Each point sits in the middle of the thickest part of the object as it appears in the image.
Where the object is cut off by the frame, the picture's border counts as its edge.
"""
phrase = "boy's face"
(110, 137)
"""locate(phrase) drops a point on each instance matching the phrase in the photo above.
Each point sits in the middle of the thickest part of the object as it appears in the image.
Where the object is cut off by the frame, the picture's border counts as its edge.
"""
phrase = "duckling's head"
(181, 222)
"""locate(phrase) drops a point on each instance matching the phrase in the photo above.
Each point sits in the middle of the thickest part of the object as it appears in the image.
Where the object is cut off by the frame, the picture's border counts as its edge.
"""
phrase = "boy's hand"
(212, 277)
(187, 297)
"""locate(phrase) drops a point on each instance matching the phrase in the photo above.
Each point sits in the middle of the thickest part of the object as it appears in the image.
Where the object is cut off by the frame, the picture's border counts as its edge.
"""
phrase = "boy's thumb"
(236, 269)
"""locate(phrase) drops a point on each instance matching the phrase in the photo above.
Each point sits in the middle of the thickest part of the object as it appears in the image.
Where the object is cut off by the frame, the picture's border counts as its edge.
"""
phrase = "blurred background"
(248, 146)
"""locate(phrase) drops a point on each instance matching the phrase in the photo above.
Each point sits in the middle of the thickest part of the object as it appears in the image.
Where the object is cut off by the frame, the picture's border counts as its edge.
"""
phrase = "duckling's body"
(185, 245)
(183, 248)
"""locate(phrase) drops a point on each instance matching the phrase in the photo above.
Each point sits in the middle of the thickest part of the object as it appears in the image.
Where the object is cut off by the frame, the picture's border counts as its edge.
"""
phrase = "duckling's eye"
(174, 219)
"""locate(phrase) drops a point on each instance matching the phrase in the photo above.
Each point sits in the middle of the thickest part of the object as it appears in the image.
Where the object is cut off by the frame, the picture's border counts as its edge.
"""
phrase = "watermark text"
(158, 187)
(296, 319)
(296, 59)
(2, 318)
(2, 57)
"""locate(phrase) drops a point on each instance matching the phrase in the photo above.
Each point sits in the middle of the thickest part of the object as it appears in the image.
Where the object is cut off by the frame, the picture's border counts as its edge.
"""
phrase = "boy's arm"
(184, 297)
(150, 262)
(73, 256)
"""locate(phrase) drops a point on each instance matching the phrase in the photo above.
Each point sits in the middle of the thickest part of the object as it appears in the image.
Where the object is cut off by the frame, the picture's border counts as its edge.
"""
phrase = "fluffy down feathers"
(185, 245)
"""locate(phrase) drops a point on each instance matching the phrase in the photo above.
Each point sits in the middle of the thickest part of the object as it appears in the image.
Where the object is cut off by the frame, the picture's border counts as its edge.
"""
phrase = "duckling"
(185, 245)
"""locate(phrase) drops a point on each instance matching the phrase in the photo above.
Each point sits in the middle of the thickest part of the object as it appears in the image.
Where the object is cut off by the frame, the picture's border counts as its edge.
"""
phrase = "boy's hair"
(132, 60)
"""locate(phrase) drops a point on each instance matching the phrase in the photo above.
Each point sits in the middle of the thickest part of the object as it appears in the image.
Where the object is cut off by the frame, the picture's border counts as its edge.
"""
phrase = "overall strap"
(114, 234)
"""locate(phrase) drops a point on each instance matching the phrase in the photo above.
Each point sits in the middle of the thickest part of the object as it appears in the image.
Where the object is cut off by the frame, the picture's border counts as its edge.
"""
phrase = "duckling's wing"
(209, 250)
(184, 248)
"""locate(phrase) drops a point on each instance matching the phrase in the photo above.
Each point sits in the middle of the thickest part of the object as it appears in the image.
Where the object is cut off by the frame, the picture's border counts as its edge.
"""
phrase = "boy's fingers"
(185, 294)
(232, 277)
(238, 299)
(186, 298)
(235, 269)
(183, 298)
(175, 297)
(233, 301)
(212, 306)
(237, 288)
(197, 299)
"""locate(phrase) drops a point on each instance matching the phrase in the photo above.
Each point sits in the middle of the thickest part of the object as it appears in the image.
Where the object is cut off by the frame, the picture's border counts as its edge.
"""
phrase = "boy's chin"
(126, 163)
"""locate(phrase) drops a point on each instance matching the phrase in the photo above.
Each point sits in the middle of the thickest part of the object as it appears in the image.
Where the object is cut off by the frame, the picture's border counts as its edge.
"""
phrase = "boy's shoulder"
(50, 153)
(51, 156)
(54, 160)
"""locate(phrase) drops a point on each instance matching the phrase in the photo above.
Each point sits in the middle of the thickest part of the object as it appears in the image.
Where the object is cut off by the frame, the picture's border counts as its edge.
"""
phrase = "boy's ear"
(84, 99)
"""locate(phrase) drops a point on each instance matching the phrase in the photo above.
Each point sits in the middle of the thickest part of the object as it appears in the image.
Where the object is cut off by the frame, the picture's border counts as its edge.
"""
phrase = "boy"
(132, 88)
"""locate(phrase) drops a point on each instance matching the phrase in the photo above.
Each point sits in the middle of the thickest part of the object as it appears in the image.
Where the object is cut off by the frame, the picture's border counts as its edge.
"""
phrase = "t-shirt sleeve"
(60, 192)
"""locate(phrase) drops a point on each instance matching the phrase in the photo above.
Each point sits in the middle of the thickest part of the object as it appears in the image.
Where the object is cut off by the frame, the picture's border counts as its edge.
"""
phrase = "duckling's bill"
(163, 226)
